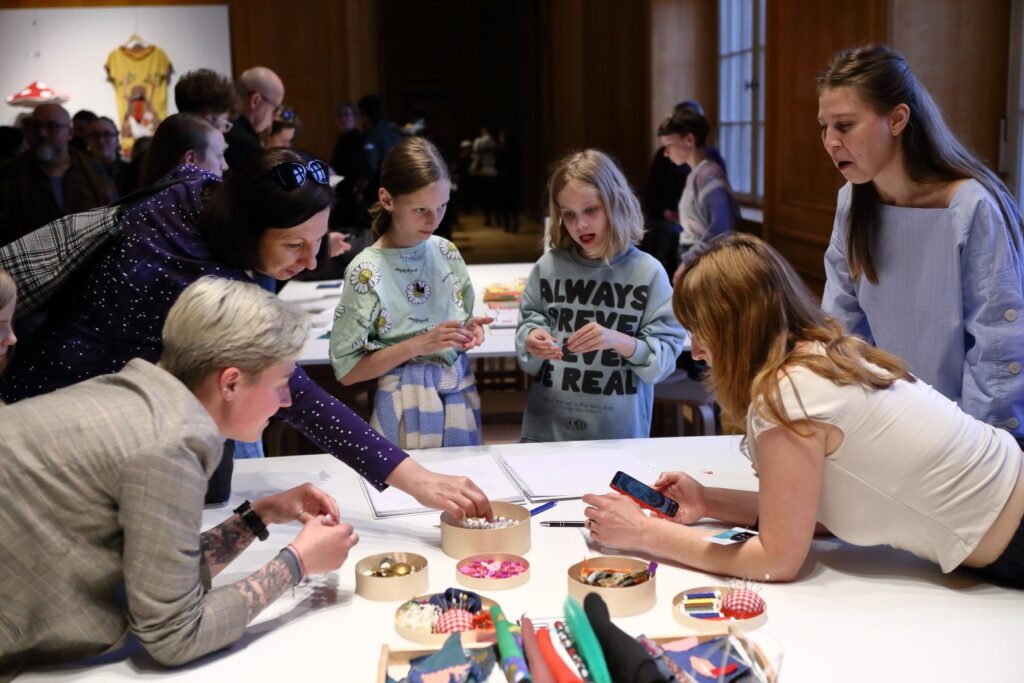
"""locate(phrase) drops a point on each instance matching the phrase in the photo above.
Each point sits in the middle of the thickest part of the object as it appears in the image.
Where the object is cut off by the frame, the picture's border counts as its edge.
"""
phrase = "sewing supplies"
(627, 585)
(707, 608)
(482, 523)
(391, 576)
(492, 571)
(513, 663)
(430, 618)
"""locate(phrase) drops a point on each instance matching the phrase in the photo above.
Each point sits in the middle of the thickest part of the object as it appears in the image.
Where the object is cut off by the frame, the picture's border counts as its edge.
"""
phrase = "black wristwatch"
(252, 520)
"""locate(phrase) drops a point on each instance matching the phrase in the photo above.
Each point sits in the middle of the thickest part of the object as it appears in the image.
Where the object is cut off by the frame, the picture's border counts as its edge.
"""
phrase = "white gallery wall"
(67, 49)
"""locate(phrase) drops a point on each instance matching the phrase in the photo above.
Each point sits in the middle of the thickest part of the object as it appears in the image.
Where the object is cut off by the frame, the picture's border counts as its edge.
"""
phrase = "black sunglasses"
(292, 174)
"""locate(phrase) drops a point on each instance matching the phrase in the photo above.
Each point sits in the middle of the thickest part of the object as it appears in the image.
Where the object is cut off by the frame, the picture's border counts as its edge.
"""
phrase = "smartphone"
(643, 494)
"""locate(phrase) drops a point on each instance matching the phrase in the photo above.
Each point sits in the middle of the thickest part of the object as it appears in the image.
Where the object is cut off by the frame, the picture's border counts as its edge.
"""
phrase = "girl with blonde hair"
(596, 329)
(840, 434)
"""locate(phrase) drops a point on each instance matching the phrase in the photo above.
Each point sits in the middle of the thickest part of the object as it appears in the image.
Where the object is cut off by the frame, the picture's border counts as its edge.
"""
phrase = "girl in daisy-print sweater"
(406, 311)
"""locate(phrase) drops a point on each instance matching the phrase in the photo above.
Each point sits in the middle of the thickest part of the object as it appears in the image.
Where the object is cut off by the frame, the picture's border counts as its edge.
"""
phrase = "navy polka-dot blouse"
(114, 310)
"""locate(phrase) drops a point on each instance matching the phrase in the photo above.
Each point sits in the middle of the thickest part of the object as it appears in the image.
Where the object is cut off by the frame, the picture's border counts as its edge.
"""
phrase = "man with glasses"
(261, 93)
(206, 93)
(49, 179)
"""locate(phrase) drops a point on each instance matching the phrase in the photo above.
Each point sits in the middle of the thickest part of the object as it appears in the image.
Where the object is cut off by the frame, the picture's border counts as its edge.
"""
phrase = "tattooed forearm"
(223, 543)
(264, 586)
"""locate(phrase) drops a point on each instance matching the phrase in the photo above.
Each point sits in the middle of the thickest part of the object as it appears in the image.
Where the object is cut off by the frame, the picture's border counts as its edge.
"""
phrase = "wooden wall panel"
(600, 80)
(684, 57)
(800, 181)
(960, 52)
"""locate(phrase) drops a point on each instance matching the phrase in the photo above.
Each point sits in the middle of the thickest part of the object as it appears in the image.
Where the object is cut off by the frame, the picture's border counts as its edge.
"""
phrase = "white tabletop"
(855, 614)
(321, 298)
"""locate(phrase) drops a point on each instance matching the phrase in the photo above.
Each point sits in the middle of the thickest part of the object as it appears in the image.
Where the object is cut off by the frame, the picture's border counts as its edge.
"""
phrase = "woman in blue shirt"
(926, 256)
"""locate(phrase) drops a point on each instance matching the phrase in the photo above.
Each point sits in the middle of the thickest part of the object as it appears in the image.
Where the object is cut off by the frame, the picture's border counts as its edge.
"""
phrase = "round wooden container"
(492, 584)
(437, 639)
(713, 625)
(459, 542)
(622, 602)
(391, 588)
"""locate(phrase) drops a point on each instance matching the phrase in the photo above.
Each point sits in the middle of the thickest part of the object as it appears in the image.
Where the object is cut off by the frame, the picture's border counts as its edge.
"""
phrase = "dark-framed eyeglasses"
(101, 135)
(292, 174)
(48, 126)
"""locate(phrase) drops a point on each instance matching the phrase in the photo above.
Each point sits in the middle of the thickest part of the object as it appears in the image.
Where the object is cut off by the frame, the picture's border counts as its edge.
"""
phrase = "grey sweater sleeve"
(722, 211)
(659, 339)
(531, 316)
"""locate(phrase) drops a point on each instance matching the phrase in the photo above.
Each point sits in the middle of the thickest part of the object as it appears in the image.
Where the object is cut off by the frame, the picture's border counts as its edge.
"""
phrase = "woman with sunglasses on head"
(267, 218)
(406, 314)
(927, 257)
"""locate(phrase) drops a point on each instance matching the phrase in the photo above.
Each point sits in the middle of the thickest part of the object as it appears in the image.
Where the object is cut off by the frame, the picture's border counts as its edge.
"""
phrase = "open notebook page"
(561, 473)
(481, 468)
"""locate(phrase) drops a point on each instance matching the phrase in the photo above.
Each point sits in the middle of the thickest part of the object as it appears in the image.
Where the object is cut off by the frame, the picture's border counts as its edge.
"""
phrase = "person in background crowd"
(707, 208)
(49, 179)
(105, 147)
(79, 128)
(347, 160)
(184, 139)
(268, 218)
(120, 551)
(927, 255)
(665, 184)
(379, 136)
(484, 173)
(283, 130)
(842, 437)
(12, 141)
(206, 93)
(261, 93)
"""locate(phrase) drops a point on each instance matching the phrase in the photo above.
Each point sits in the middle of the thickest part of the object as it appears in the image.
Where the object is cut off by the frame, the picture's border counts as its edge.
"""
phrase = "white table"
(855, 614)
(321, 298)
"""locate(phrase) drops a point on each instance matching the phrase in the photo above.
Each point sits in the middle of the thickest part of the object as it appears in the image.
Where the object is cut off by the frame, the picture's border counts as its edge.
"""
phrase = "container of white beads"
(508, 533)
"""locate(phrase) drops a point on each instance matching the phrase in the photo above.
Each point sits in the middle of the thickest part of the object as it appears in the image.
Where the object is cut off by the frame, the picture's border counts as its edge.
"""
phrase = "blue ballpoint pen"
(541, 508)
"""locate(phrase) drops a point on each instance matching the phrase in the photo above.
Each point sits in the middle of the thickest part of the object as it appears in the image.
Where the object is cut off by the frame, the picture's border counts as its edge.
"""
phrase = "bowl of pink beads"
(493, 571)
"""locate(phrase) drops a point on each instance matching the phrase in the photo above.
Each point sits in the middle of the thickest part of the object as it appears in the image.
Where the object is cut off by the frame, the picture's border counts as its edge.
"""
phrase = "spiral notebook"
(539, 475)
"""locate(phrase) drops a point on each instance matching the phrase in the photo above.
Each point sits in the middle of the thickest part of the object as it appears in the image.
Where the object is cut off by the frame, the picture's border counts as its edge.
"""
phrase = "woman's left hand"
(616, 521)
(458, 496)
(294, 503)
(475, 326)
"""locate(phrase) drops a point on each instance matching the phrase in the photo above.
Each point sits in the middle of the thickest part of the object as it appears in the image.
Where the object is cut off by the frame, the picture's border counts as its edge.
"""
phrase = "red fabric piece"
(534, 657)
(559, 669)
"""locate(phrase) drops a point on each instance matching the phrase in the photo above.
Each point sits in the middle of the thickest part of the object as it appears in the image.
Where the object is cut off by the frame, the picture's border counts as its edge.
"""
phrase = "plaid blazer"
(102, 486)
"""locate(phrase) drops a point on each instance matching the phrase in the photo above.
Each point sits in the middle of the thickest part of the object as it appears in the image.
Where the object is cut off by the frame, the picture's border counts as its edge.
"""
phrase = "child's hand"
(541, 344)
(475, 326)
(448, 335)
(594, 337)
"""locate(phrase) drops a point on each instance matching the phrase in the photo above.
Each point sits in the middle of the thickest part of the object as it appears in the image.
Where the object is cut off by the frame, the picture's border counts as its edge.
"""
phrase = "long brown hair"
(881, 77)
(411, 165)
(749, 307)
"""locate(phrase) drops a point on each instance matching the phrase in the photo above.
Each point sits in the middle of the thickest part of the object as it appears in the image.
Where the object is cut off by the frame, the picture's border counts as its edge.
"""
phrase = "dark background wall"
(567, 74)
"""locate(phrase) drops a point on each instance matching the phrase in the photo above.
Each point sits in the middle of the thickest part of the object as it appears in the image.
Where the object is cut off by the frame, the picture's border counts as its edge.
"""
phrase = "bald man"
(50, 179)
(261, 93)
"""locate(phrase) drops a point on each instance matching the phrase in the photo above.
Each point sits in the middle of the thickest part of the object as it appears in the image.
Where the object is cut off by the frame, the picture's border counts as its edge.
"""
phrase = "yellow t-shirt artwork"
(140, 77)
